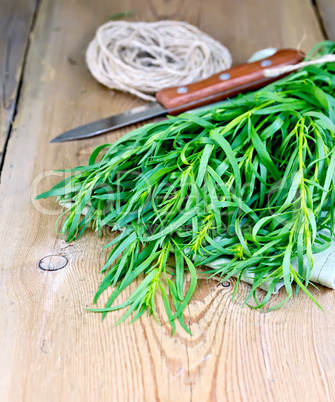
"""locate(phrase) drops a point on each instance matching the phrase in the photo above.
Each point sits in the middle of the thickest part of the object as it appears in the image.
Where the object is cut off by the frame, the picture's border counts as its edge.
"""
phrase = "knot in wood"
(53, 262)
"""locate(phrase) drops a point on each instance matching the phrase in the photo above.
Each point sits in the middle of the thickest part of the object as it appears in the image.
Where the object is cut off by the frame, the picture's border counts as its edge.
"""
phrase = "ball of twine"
(142, 58)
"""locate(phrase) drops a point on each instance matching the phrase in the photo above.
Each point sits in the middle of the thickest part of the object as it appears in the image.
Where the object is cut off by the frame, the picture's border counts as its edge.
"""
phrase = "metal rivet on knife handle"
(224, 76)
(266, 63)
(182, 90)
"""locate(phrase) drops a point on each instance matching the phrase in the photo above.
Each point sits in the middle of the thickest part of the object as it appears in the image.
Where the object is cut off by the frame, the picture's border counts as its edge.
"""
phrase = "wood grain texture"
(326, 9)
(52, 349)
(16, 17)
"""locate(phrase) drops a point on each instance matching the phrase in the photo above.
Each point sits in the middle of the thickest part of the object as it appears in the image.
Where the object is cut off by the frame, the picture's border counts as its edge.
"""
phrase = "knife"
(175, 100)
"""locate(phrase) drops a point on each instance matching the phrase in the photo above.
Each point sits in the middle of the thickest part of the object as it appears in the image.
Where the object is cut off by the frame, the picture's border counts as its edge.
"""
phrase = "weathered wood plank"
(16, 17)
(326, 10)
(50, 347)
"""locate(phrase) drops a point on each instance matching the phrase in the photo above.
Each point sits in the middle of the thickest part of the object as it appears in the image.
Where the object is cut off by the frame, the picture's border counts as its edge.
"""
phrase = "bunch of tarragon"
(252, 180)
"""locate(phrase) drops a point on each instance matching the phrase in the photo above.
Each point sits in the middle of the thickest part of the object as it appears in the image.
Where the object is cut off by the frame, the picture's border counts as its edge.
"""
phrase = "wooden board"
(50, 347)
(326, 10)
(16, 18)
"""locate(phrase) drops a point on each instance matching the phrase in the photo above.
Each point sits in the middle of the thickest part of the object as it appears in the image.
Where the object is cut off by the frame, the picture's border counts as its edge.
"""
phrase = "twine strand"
(276, 71)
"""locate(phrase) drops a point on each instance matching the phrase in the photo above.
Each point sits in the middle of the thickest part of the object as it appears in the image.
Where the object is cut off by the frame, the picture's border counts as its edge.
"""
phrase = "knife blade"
(175, 100)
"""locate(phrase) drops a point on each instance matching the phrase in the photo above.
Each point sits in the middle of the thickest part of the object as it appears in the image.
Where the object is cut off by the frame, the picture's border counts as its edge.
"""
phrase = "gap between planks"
(9, 112)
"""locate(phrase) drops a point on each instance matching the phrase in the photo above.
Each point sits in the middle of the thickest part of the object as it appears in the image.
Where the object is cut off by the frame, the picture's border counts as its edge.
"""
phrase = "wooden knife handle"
(228, 83)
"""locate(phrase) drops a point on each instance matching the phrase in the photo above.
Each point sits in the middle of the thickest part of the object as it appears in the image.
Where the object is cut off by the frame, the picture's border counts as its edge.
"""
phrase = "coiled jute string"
(142, 57)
